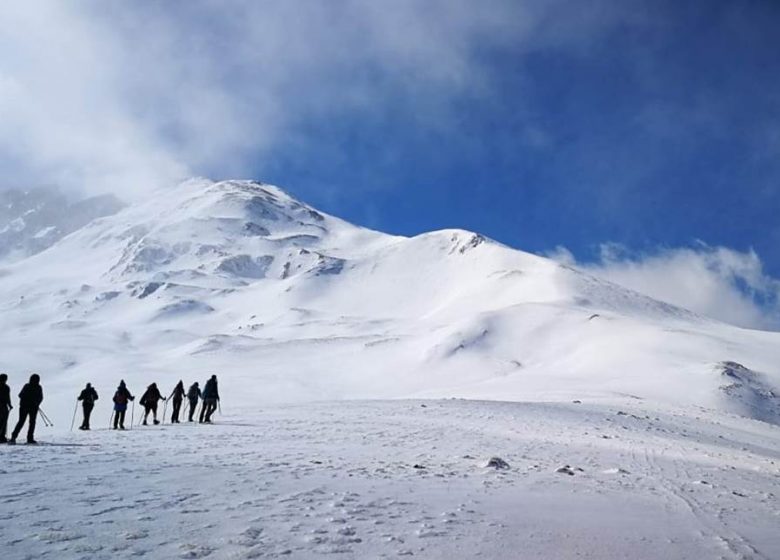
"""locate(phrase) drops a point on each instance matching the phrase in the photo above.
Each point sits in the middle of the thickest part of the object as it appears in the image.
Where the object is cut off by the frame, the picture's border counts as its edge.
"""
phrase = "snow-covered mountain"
(635, 453)
(289, 303)
(33, 220)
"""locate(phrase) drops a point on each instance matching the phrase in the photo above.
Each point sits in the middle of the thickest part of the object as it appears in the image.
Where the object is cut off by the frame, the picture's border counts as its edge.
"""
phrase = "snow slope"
(288, 303)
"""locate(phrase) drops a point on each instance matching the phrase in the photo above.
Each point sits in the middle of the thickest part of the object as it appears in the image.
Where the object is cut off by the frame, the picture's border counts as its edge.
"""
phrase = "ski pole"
(75, 409)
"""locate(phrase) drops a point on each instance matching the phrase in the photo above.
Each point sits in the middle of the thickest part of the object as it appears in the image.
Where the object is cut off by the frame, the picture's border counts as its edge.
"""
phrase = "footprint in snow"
(194, 551)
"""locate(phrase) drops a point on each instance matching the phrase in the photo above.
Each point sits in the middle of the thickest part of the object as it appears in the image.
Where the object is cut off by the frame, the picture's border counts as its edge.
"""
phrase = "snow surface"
(290, 305)
(384, 479)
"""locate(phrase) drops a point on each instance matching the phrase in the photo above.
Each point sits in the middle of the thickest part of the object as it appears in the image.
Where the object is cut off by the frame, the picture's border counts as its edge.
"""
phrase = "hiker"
(210, 398)
(30, 399)
(5, 406)
(121, 397)
(149, 401)
(193, 395)
(87, 397)
(178, 396)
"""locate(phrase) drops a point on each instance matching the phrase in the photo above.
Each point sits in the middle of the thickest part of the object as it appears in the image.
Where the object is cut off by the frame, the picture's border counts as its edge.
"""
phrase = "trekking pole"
(46, 421)
(111, 420)
(165, 407)
(219, 405)
(132, 415)
(75, 409)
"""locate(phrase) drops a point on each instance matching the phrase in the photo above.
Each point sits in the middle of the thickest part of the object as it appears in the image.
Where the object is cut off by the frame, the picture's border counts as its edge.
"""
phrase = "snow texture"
(382, 479)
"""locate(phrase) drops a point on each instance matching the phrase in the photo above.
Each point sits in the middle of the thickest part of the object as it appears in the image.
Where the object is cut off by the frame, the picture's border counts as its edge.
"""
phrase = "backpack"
(120, 397)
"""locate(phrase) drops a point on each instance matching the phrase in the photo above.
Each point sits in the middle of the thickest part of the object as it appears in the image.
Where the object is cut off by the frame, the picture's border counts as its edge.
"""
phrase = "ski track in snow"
(383, 479)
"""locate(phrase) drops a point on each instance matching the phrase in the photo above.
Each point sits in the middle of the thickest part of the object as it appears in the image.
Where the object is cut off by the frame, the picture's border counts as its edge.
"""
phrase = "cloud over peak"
(719, 282)
(129, 95)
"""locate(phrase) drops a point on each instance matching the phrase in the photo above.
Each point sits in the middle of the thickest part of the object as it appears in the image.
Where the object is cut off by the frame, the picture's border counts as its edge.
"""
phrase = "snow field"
(383, 479)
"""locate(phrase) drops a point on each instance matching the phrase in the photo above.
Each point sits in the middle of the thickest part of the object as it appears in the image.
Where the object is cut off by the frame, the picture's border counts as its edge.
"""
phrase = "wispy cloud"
(129, 95)
(718, 282)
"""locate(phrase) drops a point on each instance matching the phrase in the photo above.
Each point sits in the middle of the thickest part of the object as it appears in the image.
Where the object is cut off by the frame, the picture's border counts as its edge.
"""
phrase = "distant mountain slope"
(33, 220)
(289, 303)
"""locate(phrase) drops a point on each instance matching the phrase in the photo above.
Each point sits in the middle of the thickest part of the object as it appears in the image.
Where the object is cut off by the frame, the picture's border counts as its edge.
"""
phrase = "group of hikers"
(152, 397)
(31, 396)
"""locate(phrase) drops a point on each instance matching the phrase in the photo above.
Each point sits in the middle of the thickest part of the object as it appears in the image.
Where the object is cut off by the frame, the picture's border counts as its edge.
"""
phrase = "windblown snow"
(672, 442)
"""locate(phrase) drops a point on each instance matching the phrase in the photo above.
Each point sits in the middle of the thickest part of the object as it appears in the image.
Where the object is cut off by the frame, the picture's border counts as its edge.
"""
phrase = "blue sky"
(618, 135)
(663, 132)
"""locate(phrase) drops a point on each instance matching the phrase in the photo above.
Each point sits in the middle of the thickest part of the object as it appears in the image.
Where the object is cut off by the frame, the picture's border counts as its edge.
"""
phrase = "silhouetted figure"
(87, 397)
(121, 398)
(30, 399)
(149, 401)
(210, 398)
(177, 395)
(193, 395)
(5, 406)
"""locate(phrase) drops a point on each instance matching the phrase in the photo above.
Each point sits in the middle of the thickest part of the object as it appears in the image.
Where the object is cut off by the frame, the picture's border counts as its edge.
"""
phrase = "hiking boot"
(12, 441)
(3, 440)
(32, 442)
(121, 427)
(145, 424)
(156, 422)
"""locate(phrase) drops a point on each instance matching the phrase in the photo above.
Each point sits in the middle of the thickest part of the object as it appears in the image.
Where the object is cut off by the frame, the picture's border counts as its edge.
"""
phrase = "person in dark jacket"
(5, 406)
(210, 398)
(121, 398)
(149, 401)
(87, 397)
(30, 399)
(193, 395)
(177, 395)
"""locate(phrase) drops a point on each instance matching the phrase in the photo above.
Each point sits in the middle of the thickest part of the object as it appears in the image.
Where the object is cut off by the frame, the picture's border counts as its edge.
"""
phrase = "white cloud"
(721, 283)
(127, 95)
